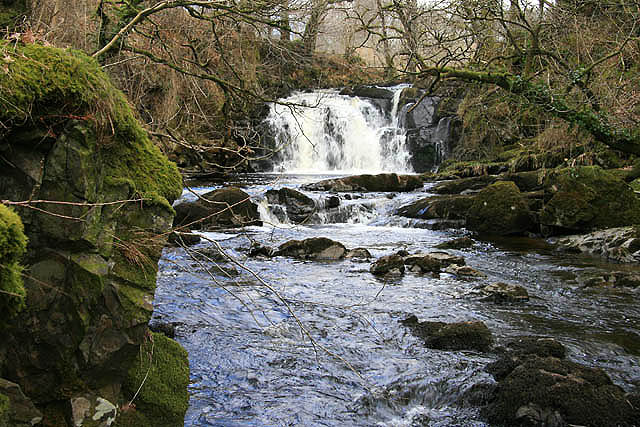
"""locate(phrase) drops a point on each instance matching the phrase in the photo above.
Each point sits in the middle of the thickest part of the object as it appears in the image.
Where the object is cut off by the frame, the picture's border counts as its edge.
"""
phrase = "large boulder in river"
(386, 182)
(299, 206)
(97, 214)
(500, 209)
(314, 248)
(227, 207)
(585, 199)
(548, 391)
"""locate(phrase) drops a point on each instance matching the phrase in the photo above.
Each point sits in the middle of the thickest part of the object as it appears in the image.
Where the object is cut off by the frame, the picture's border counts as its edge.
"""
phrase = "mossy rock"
(500, 209)
(13, 244)
(551, 391)
(162, 369)
(40, 79)
(587, 198)
(451, 336)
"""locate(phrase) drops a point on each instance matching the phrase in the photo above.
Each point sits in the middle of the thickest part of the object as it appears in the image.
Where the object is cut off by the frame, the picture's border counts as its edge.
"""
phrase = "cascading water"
(324, 131)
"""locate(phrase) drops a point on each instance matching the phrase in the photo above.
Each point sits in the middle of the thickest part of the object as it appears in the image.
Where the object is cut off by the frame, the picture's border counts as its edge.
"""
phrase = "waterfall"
(323, 131)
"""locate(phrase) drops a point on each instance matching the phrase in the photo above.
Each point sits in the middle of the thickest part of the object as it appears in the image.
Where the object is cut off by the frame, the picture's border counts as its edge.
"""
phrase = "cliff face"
(100, 196)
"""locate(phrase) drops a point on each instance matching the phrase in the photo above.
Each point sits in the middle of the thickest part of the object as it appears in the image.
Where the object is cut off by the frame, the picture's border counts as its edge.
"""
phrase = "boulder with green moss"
(587, 198)
(500, 209)
(100, 210)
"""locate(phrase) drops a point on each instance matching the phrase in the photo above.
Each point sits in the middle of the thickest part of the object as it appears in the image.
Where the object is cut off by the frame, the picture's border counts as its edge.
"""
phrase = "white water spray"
(323, 131)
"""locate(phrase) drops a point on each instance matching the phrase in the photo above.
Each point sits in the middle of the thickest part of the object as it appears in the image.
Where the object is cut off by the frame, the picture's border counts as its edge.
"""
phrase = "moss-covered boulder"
(451, 336)
(500, 209)
(585, 199)
(100, 210)
(537, 391)
(158, 380)
(13, 244)
(228, 207)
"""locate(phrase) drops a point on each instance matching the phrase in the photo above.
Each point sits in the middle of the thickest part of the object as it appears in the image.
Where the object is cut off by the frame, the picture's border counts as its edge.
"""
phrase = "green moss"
(42, 79)
(4, 410)
(13, 244)
(500, 209)
(163, 398)
(587, 198)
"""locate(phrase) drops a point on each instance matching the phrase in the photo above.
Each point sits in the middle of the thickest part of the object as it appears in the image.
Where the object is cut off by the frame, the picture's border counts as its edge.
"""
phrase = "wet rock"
(546, 391)
(587, 198)
(387, 182)
(16, 408)
(359, 253)
(227, 207)
(459, 243)
(464, 185)
(538, 346)
(432, 262)
(616, 279)
(298, 206)
(367, 92)
(165, 328)
(620, 244)
(500, 209)
(505, 293)
(438, 207)
(464, 271)
(183, 239)
(388, 264)
(258, 249)
(451, 336)
(315, 248)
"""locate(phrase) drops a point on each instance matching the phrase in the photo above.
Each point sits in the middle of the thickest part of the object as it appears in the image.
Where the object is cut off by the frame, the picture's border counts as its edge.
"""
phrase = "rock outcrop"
(96, 211)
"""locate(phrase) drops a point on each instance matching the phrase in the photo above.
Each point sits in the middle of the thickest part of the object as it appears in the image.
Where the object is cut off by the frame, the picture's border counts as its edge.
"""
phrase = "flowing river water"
(284, 342)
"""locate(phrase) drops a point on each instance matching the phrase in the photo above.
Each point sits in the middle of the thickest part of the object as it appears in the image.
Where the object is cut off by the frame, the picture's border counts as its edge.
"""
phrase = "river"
(284, 342)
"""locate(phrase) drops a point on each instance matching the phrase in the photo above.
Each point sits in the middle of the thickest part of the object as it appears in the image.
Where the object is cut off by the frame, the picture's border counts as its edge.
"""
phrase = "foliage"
(13, 244)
